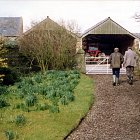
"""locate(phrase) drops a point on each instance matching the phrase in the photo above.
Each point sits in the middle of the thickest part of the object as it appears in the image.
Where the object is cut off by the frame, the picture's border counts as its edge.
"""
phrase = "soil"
(115, 114)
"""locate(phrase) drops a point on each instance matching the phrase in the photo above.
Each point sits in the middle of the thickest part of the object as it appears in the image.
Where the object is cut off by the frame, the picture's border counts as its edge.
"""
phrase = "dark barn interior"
(107, 42)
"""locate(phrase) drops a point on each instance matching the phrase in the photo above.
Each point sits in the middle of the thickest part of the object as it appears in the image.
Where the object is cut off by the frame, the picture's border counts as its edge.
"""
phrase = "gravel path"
(115, 114)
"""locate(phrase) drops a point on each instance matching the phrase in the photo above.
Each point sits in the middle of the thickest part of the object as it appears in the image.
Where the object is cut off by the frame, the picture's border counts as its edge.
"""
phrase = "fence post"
(107, 65)
(81, 60)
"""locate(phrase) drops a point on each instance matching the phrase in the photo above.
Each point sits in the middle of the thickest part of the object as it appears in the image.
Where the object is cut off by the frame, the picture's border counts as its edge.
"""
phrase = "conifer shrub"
(10, 76)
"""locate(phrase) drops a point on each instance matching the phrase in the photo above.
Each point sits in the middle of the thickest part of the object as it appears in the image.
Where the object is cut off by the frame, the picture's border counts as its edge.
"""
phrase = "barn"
(105, 36)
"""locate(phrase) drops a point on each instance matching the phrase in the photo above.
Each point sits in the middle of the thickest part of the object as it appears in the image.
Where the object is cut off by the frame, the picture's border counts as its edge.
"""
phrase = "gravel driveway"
(115, 114)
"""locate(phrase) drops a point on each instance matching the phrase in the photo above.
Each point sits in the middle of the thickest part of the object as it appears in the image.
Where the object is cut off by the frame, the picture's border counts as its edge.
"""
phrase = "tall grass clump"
(9, 135)
(20, 120)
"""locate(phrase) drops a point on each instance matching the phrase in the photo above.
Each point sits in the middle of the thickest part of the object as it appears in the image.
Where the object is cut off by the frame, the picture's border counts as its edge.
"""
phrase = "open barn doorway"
(94, 44)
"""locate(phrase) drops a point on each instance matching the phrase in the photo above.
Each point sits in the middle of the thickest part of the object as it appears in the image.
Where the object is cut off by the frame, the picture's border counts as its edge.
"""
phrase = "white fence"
(99, 65)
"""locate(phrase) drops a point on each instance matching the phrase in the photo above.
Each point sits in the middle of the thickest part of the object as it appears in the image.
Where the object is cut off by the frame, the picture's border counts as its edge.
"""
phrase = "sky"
(85, 13)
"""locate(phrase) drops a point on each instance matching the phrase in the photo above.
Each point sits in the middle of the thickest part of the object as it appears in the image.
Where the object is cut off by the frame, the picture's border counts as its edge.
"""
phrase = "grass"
(43, 125)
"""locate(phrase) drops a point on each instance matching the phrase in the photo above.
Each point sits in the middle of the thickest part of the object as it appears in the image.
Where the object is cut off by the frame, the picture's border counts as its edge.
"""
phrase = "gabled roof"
(48, 24)
(11, 26)
(107, 26)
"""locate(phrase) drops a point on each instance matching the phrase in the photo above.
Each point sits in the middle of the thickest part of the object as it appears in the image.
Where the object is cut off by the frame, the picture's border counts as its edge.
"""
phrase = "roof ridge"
(96, 25)
(39, 24)
(103, 21)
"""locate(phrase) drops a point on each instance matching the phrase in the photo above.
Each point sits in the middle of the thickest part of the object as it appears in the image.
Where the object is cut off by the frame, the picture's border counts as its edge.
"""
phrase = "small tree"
(2, 52)
(51, 48)
(2, 60)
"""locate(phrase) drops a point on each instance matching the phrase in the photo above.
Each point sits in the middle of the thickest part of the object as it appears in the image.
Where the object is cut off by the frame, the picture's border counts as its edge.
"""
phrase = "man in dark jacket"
(116, 60)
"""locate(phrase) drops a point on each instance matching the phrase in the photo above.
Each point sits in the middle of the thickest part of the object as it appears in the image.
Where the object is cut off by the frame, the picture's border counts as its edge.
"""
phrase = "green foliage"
(20, 119)
(5, 70)
(57, 87)
(9, 135)
(21, 94)
(30, 100)
(54, 109)
(3, 50)
(42, 107)
(3, 90)
(61, 123)
(3, 102)
(10, 76)
(21, 106)
(64, 100)
(38, 78)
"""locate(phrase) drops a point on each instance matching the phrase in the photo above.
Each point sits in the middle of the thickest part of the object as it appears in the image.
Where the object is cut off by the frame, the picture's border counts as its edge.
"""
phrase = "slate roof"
(11, 26)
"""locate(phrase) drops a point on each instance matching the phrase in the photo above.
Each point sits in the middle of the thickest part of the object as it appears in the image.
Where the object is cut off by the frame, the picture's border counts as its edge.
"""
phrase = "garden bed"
(34, 110)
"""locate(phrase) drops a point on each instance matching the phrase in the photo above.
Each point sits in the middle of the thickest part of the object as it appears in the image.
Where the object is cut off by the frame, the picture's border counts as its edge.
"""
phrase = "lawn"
(45, 125)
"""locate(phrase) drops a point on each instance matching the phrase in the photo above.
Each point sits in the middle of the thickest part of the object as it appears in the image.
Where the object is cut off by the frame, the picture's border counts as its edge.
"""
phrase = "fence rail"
(99, 65)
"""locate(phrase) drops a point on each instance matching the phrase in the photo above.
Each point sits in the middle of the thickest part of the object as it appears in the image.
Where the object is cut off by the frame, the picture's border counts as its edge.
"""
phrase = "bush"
(3, 103)
(20, 119)
(30, 100)
(20, 106)
(3, 90)
(9, 134)
(42, 107)
(10, 76)
(54, 109)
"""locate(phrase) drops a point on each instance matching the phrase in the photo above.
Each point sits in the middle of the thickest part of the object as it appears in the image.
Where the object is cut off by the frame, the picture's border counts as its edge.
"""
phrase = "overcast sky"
(85, 13)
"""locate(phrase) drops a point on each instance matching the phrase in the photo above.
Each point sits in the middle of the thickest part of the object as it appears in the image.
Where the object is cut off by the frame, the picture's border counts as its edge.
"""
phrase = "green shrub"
(21, 95)
(38, 78)
(70, 97)
(30, 81)
(59, 88)
(8, 79)
(3, 102)
(42, 107)
(10, 76)
(64, 100)
(20, 106)
(27, 89)
(54, 109)
(51, 94)
(30, 100)
(9, 135)
(20, 120)
(3, 90)
(5, 70)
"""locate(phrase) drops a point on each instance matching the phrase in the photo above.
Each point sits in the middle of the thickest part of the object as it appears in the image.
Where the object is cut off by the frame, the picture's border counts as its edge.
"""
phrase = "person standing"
(129, 63)
(116, 60)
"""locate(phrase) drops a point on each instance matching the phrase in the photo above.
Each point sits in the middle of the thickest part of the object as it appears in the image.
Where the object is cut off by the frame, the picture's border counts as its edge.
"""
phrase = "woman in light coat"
(129, 63)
